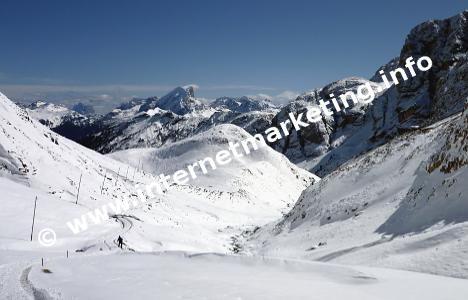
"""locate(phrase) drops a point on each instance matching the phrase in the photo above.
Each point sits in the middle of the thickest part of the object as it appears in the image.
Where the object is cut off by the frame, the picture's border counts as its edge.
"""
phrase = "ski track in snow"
(10, 282)
(127, 225)
(339, 253)
(38, 294)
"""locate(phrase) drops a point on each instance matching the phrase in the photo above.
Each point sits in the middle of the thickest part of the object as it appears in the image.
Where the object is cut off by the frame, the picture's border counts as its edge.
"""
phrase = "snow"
(376, 210)
(211, 276)
(51, 114)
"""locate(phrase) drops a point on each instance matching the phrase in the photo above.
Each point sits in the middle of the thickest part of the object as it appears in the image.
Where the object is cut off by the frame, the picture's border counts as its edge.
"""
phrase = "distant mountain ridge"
(242, 104)
(61, 119)
(154, 121)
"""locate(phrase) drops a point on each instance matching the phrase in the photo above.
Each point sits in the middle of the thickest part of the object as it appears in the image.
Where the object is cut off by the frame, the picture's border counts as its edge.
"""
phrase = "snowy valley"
(387, 220)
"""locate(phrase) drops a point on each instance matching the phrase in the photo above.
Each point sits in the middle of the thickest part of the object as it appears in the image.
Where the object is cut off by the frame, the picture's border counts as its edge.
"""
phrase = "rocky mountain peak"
(84, 109)
(181, 101)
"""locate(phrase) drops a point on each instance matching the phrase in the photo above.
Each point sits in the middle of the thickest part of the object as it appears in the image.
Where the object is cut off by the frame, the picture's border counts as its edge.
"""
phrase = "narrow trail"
(30, 291)
(36, 293)
(10, 286)
(126, 222)
(109, 241)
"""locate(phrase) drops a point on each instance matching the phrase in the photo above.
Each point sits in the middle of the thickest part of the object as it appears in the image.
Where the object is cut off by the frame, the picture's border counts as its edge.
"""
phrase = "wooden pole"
(117, 178)
(126, 173)
(34, 218)
(104, 181)
(139, 162)
(79, 186)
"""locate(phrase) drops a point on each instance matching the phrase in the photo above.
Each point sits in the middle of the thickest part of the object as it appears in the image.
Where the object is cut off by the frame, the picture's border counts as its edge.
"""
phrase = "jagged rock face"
(429, 96)
(440, 92)
(454, 153)
(316, 134)
(318, 138)
(390, 66)
(420, 101)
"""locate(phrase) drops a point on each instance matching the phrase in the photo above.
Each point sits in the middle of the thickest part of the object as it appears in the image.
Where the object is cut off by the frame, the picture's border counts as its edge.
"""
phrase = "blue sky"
(73, 49)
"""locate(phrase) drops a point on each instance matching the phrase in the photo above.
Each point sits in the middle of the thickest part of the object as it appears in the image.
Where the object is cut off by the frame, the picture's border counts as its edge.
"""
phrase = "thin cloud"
(123, 87)
(237, 87)
(260, 96)
(280, 99)
(29, 88)
(192, 85)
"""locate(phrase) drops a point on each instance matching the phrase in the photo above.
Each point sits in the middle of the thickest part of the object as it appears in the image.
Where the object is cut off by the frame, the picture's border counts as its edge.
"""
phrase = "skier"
(120, 241)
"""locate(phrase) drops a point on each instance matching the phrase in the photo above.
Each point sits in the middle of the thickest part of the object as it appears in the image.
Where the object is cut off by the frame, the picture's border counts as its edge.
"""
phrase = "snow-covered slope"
(378, 210)
(207, 276)
(264, 177)
(439, 194)
(38, 162)
(245, 192)
(47, 161)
